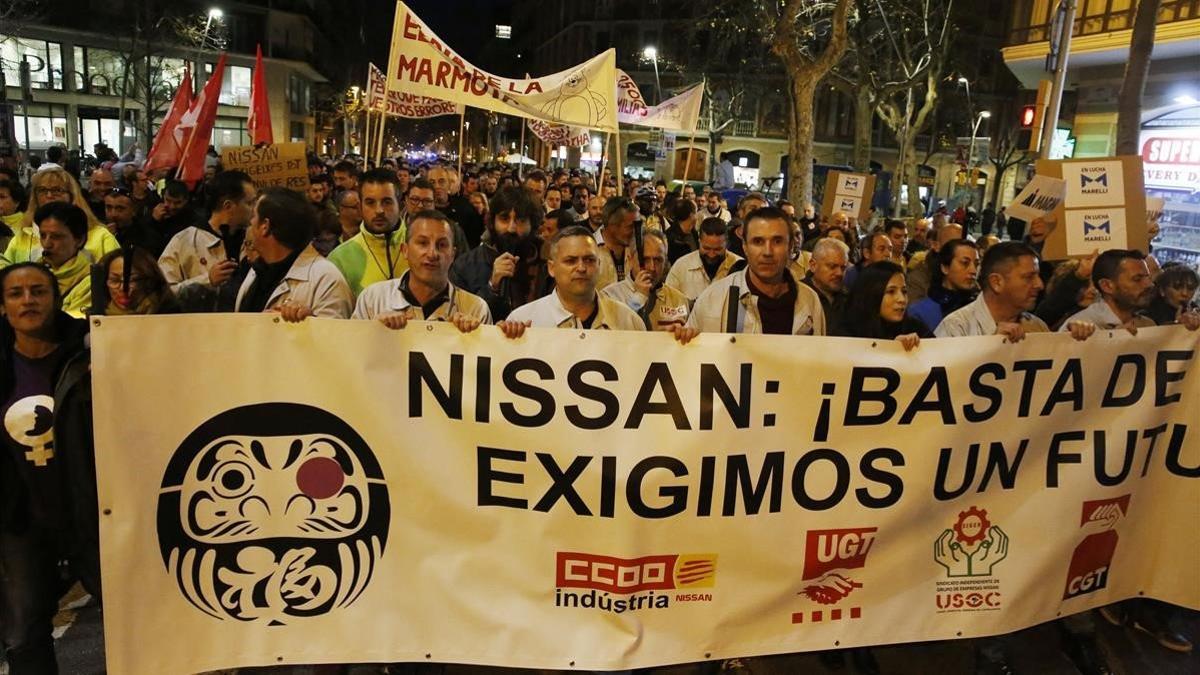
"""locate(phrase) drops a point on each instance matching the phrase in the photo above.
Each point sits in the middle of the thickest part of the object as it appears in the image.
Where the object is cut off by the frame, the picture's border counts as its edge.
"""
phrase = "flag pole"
(367, 134)
(600, 170)
(618, 151)
(462, 118)
(381, 125)
(521, 150)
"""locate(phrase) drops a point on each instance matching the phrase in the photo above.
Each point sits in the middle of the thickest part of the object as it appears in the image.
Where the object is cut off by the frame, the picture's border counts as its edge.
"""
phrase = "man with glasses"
(374, 255)
(422, 196)
(349, 214)
(463, 217)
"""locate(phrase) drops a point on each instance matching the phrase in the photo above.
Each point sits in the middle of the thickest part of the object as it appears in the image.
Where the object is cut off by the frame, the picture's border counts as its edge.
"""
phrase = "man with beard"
(535, 182)
(345, 176)
(445, 199)
(617, 251)
(660, 306)
(504, 271)
(958, 265)
(174, 213)
(318, 192)
(373, 255)
(713, 208)
(682, 238)
(595, 213)
(206, 254)
(696, 271)
(578, 209)
(1126, 290)
(424, 292)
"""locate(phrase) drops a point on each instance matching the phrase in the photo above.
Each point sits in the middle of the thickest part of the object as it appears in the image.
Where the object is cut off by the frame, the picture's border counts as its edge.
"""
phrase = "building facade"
(1170, 138)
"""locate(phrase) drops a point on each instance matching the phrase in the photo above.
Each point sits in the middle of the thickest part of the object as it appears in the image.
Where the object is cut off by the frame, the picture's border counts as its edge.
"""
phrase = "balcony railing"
(1096, 16)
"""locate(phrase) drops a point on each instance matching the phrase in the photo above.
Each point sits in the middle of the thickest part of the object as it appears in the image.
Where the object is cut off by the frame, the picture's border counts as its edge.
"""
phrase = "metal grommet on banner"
(958, 634)
(708, 655)
(429, 328)
(429, 656)
(276, 320)
(572, 664)
(733, 338)
(837, 643)
(95, 322)
(108, 512)
(279, 659)
(873, 345)
(582, 335)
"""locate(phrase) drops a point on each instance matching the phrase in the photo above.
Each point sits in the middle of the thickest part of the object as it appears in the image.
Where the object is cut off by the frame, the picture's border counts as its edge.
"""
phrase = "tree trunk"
(1001, 169)
(1137, 68)
(864, 114)
(802, 89)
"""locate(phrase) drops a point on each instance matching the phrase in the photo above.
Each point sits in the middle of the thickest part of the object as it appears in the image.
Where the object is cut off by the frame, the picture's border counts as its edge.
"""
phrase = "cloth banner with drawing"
(338, 492)
(421, 63)
(678, 113)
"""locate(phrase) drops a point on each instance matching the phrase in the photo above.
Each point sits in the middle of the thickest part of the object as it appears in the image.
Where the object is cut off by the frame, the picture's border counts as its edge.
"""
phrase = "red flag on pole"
(259, 122)
(165, 151)
(195, 127)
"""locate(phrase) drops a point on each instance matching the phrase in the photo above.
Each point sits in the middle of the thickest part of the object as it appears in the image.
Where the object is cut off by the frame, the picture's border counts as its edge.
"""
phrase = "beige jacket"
(313, 282)
(709, 312)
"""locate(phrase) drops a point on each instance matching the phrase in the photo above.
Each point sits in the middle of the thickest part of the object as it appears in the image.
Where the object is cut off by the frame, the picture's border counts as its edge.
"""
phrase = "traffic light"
(1028, 114)
(1030, 136)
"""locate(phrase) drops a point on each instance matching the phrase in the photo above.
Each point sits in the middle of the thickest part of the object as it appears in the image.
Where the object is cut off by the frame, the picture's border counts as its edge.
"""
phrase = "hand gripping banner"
(343, 493)
(421, 63)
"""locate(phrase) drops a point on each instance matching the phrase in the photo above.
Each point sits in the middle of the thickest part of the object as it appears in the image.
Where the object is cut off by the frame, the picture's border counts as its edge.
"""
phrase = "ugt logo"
(972, 547)
(1088, 571)
(272, 512)
(829, 557)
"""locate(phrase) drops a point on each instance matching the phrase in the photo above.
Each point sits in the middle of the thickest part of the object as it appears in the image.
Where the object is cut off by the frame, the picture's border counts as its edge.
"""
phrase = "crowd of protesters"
(398, 243)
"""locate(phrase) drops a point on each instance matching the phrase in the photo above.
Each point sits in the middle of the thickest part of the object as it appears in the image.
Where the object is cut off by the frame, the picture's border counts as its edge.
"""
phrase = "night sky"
(465, 25)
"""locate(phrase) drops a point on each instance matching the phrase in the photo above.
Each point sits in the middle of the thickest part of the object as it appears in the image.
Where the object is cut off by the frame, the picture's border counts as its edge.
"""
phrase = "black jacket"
(472, 272)
(74, 446)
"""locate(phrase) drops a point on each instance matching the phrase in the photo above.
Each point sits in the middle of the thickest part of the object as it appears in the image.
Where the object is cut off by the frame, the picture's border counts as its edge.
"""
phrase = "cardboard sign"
(1041, 195)
(1104, 206)
(274, 165)
(849, 192)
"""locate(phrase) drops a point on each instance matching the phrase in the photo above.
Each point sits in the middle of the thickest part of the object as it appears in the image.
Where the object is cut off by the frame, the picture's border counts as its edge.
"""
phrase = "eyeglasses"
(120, 192)
(52, 191)
(116, 281)
(427, 202)
(349, 206)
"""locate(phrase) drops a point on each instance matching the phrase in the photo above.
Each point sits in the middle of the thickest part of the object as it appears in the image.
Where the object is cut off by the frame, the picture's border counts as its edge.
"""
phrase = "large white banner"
(336, 492)
(678, 113)
(401, 104)
(421, 63)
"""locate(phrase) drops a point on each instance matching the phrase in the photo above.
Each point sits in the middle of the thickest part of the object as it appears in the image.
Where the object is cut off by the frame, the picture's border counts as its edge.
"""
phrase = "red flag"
(165, 151)
(259, 122)
(194, 131)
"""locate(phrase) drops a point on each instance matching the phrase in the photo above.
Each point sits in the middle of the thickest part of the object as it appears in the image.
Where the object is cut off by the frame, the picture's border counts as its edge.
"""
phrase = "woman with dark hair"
(47, 468)
(877, 307)
(130, 281)
(1174, 293)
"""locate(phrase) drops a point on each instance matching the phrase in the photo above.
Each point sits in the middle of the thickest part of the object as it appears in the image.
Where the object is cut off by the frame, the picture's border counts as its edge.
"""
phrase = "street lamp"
(983, 115)
(214, 14)
(651, 54)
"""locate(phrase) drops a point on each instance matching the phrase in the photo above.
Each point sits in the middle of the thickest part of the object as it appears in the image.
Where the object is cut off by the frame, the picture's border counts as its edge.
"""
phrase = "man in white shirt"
(574, 303)
(290, 276)
(1010, 286)
(1126, 290)
(713, 261)
(424, 291)
(658, 304)
(713, 208)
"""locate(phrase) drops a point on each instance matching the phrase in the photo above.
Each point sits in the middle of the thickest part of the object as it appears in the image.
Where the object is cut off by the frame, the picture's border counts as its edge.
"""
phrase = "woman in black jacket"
(47, 467)
(877, 307)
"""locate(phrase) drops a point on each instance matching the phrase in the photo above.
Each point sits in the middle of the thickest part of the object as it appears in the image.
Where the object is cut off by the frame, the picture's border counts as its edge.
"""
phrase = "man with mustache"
(504, 271)
(1126, 291)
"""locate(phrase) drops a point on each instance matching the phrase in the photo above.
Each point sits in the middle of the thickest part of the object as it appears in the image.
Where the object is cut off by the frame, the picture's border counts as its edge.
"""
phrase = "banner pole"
(617, 152)
(367, 134)
(521, 151)
(462, 118)
(379, 140)
(600, 169)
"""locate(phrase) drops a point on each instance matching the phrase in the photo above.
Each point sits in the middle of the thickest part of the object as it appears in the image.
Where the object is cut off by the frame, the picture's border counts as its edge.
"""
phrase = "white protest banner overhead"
(560, 134)
(1039, 197)
(400, 104)
(342, 493)
(678, 113)
(421, 63)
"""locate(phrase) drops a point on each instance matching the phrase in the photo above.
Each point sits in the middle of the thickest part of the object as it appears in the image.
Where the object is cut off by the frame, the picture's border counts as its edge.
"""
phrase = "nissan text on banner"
(678, 113)
(421, 63)
(344, 493)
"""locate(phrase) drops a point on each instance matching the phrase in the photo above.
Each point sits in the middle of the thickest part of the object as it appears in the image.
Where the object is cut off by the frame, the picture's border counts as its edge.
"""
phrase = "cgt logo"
(1088, 570)
(635, 575)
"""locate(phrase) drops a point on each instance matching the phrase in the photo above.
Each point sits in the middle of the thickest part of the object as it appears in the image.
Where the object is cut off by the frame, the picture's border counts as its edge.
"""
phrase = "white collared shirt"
(188, 257)
(976, 319)
(548, 312)
(1101, 314)
(385, 296)
(687, 274)
(709, 312)
(670, 306)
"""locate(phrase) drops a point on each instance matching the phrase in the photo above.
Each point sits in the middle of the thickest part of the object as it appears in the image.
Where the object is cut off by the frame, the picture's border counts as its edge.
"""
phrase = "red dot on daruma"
(320, 478)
